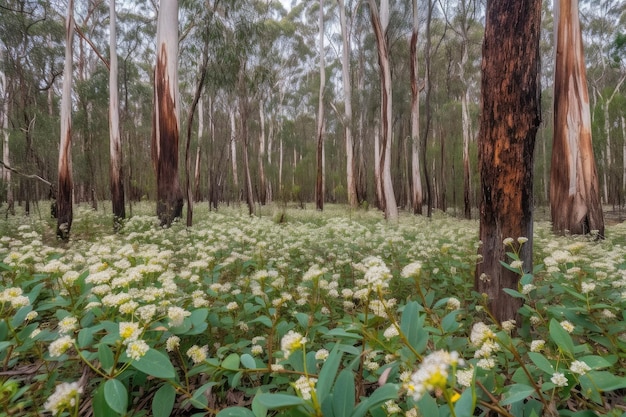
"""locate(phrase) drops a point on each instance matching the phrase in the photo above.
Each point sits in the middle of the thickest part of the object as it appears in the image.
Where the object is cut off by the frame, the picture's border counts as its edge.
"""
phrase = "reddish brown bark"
(509, 120)
(574, 191)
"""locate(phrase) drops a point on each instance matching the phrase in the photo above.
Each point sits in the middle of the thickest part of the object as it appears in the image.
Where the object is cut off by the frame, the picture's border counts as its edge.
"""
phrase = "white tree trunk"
(319, 187)
(416, 177)
(233, 149)
(261, 155)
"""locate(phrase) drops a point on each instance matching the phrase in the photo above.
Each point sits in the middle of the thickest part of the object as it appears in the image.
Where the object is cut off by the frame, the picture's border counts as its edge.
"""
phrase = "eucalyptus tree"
(319, 183)
(115, 141)
(5, 172)
(65, 181)
(509, 120)
(165, 136)
(380, 23)
(416, 177)
(574, 192)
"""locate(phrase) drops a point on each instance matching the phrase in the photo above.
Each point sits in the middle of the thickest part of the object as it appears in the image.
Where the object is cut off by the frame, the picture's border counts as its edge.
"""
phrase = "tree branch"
(37, 177)
(95, 49)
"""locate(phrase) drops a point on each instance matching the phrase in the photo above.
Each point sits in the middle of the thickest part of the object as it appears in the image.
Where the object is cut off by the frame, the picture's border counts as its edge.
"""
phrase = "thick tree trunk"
(243, 112)
(347, 100)
(574, 191)
(64, 193)
(319, 182)
(380, 21)
(165, 135)
(115, 141)
(509, 120)
(416, 177)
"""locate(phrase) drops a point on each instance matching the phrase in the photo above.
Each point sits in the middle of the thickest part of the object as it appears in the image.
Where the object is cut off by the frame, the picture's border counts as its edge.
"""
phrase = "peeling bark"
(64, 193)
(510, 117)
(574, 191)
(319, 182)
(416, 177)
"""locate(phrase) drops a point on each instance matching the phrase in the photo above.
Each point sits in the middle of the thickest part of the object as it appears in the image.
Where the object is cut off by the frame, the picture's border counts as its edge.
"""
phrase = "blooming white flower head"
(535, 320)
(528, 288)
(412, 412)
(291, 342)
(517, 264)
(508, 241)
(432, 373)
(587, 287)
(64, 397)
(32, 315)
(232, 306)
(172, 343)
(412, 270)
(313, 273)
(60, 346)
(35, 333)
(136, 349)
(177, 315)
(453, 303)
(567, 326)
(390, 332)
(559, 379)
(391, 407)
(537, 345)
(68, 324)
(480, 333)
(322, 354)
(465, 376)
(486, 363)
(146, 313)
(579, 367)
(129, 331)
(305, 386)
(608, 314)
(508, 325)
(198, 354)
(129, 307)
(256, 350)
(521, 240)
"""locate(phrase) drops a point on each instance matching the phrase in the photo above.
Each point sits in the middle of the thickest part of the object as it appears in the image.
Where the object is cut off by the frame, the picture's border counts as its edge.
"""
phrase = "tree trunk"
(115, 144)
(574, 190)
(510, 117)
(64, 193)
(427, 105)
(416, 177)
(165, 135)
(5, 171)
(261, 156)
(466, 120)
(243, 113)
(347, 100)
(233, 152)
(319, 183)
(380, 21)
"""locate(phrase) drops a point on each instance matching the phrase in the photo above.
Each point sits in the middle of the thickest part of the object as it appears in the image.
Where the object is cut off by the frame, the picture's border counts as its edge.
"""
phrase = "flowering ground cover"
(301, 313)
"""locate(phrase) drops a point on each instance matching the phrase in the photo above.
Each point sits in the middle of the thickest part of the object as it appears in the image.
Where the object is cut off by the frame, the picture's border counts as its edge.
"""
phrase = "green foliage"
(324, 315)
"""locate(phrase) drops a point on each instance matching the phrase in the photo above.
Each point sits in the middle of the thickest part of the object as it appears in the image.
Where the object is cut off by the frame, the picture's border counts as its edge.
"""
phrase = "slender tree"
(5, 172)
(509, 120)
(380, 22)
(319, 183)
(574, 191)
(65, 184)
(165, 132)
(416, 177)
(115, 141)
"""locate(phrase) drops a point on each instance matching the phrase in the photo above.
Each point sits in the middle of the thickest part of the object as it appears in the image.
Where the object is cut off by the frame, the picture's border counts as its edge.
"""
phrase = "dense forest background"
(267, 51)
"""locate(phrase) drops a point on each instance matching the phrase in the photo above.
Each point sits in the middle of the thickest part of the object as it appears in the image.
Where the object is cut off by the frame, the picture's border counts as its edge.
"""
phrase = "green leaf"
(541, 362)
(513, 293)
(258, 409)
(248, 361)
(561, 337)
(278, 401)
(85, 336)
(449, 323)
(156, 364)
(412, 325)
(340, 333)
(606, 381)
(343, 394)
(464, 407)
(303, 320)
(199, 399)
(428, 406)
(100, 406)
(328, 372)
(105, 355)
(163, 401)
(517, 392)
(385, 393)
(595, 362)
(231, 362)
(116, 395)
(235, 412)
(266, 321)
(20, 316)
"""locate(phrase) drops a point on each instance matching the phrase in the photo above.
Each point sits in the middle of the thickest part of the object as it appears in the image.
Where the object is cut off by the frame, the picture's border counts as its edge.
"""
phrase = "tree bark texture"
(380, 22)
(574, 191)
(165, 136)
(115, 140)
(64, 192)
(261, 156)
(510, 117)
(416, 177)
(319, 182)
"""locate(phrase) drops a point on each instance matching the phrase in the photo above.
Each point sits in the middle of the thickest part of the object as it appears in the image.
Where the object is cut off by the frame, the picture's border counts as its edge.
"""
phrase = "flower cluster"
(432, 374)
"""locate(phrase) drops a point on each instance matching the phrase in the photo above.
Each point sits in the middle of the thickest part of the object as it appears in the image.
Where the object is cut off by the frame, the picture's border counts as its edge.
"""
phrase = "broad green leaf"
(328, 372)
(105, 355)
(156, 364)
(266, 321)
(464, 407)
(343, 394)
(231, 362)
(199, 399)
(428, 406)
(163, 401)
(513, 293)
(449, 323)
(235, 412)
(100, 406)
(595, 362)
(517, 392)
(278, 401)
(248, 361)
(303, 320)
(561, 337)
(541, 362)
(606, 381)
(385, 393)
(412, 325)
(85, 336)
(258, 409)
(340, 333)
(116, 395)
(20, 316)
